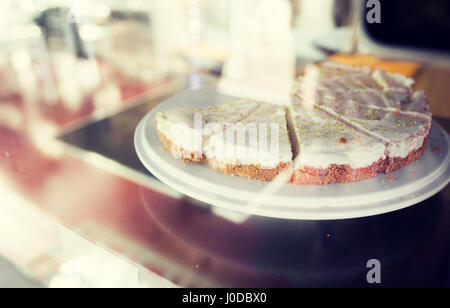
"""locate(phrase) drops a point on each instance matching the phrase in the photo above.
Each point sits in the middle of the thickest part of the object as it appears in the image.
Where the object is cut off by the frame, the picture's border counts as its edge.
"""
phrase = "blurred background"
(70, 64)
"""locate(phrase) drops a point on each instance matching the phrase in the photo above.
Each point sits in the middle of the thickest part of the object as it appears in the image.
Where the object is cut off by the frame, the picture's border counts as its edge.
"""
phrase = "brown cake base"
(180, 152)
(345, 174)
(254, 172)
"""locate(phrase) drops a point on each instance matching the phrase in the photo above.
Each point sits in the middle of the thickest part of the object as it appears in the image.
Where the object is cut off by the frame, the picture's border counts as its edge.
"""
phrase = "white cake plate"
(408, 186)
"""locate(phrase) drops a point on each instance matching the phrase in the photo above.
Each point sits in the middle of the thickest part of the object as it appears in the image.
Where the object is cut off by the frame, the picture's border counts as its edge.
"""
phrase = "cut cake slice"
(404, 135)
(330, 151)
(185, 132)
(257, 147)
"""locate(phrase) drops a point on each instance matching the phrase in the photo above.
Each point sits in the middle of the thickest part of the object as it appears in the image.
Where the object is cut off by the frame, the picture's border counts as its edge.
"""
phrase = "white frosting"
(419, 105)
(402, 133)
(389, 81)
(190, 128)
(261, 139)
(324, 141)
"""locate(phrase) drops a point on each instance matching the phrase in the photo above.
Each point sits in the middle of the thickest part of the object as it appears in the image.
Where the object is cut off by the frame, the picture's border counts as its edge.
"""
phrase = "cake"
(357, 124)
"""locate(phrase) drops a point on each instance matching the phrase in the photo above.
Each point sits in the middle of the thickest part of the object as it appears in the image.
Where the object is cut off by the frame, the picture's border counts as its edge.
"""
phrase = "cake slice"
(330, 151)
(257, 147)
(185, 132)
(404, 134)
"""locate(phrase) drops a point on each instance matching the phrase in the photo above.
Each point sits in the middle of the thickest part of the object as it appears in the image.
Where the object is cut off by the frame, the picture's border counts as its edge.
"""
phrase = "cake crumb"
(413, 172)
(343, 141)
(435, 149)
(392, 179)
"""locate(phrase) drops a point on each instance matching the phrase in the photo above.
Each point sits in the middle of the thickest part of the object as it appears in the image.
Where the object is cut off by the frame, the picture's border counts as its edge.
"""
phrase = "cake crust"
(254, 172)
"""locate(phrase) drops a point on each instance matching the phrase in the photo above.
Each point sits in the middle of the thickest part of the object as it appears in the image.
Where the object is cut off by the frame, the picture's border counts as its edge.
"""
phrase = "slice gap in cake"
(257, 147)
(185, 132)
